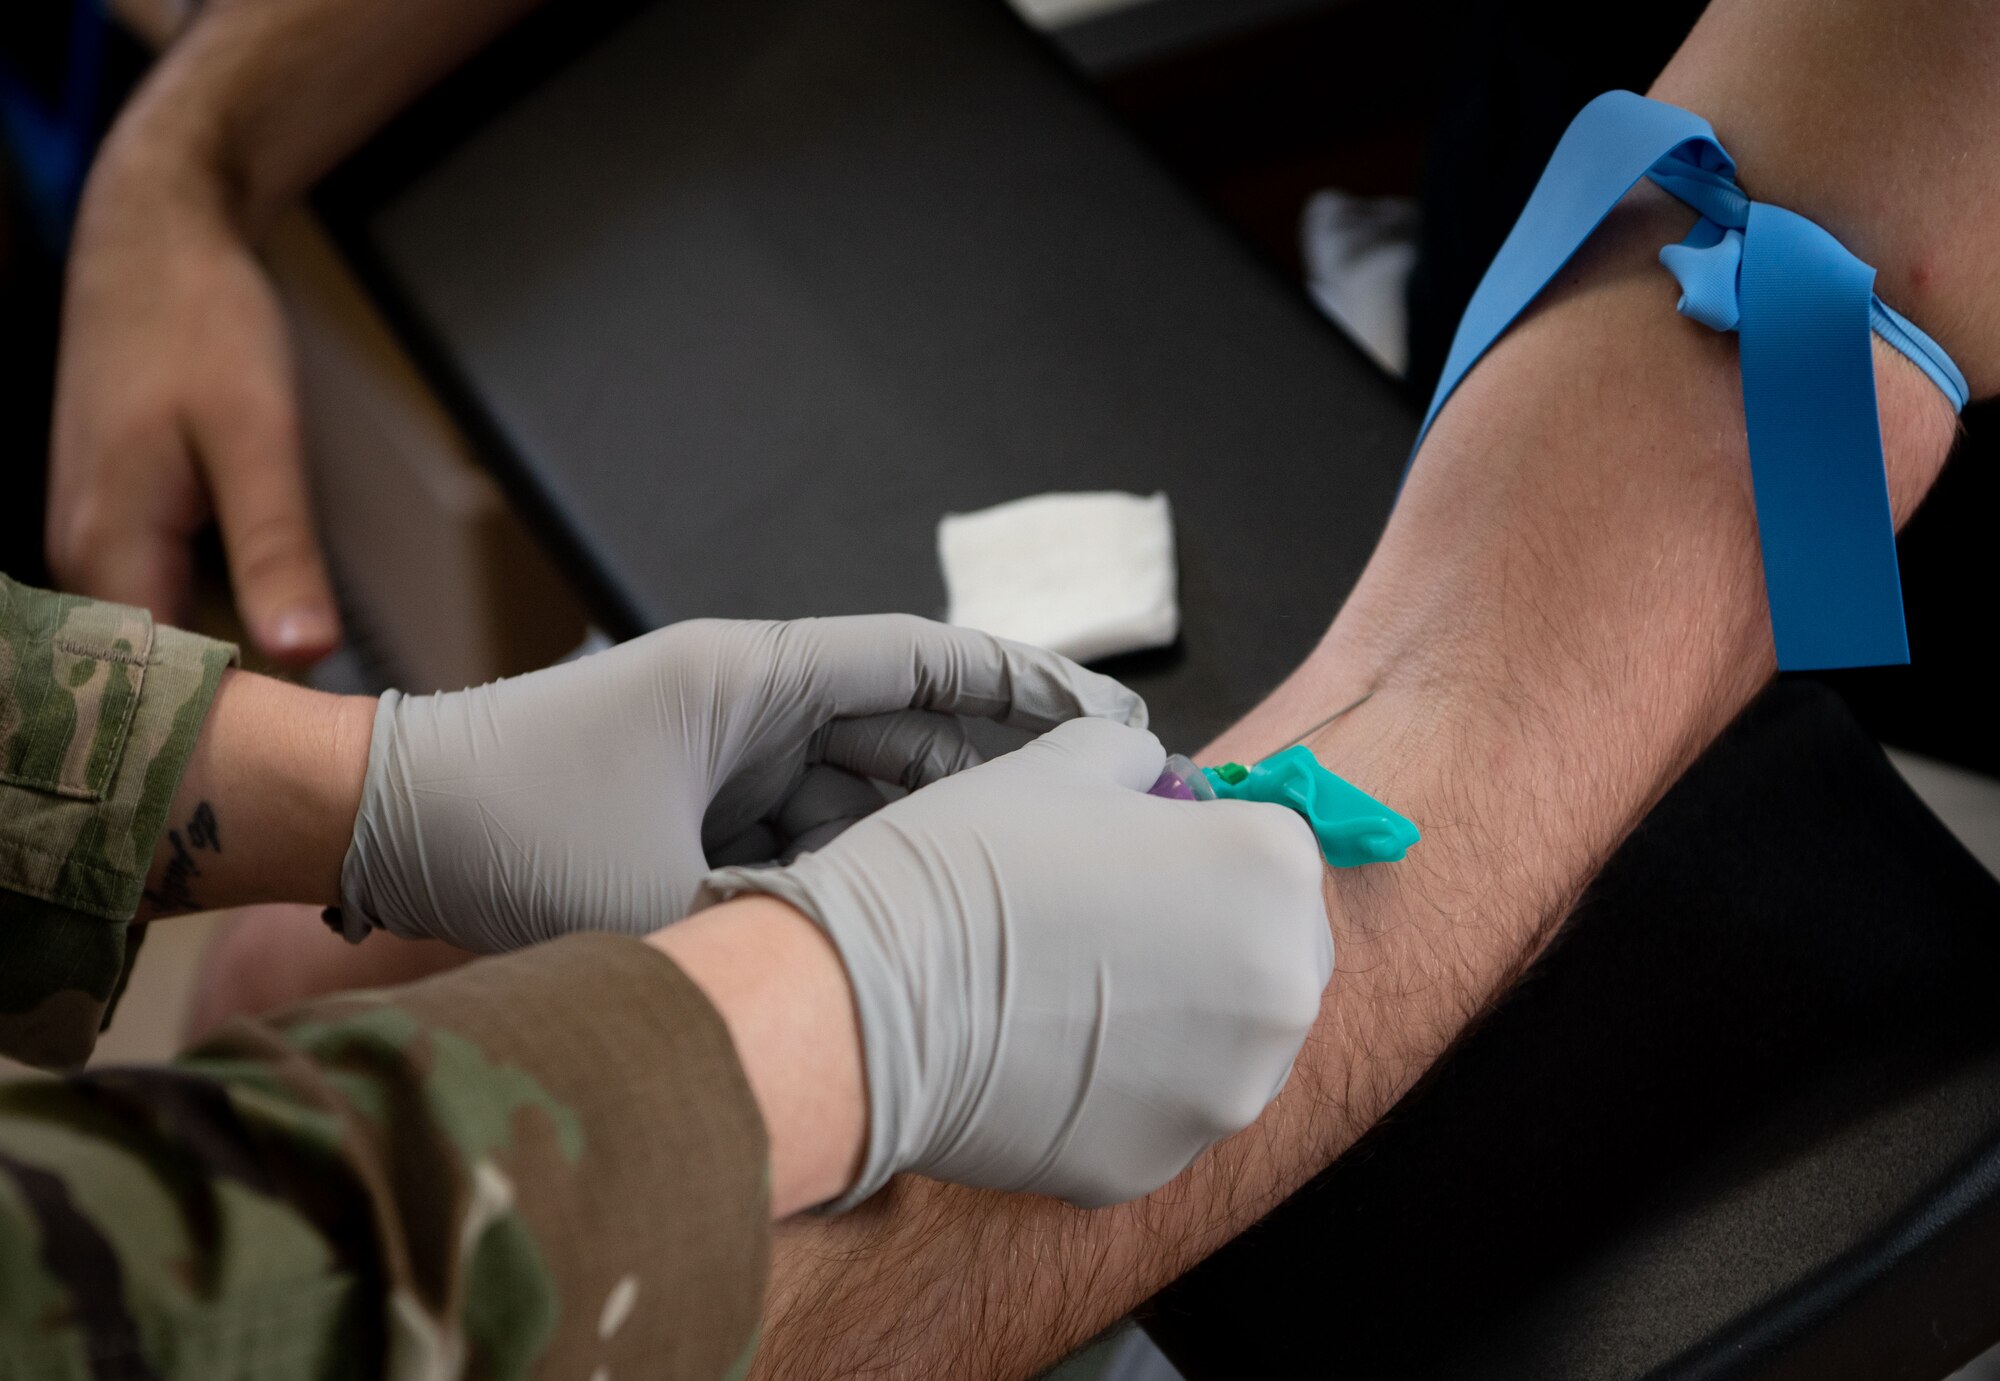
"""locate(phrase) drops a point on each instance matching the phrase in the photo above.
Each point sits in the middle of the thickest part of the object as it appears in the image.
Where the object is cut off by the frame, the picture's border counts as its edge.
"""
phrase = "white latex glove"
(586, 796)
(1065, 985)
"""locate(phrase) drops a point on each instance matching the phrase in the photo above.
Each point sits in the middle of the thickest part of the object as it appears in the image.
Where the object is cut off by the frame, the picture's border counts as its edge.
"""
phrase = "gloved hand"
(586, 796)
(1065, 985)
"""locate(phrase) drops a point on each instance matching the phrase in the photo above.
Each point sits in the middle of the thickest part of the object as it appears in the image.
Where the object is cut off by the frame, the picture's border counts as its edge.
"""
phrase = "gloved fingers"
(826, 801)
(761, 842)
(911, 748)
(752, 789)
(875, 663)
(812, 841)
(1098, 748)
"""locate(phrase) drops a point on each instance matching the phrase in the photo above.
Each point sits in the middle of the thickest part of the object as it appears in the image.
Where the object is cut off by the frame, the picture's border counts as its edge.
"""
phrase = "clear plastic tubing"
(1182, 781)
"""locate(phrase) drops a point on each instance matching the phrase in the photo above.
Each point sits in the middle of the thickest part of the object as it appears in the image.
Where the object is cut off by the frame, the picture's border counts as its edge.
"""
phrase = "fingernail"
(307, 628)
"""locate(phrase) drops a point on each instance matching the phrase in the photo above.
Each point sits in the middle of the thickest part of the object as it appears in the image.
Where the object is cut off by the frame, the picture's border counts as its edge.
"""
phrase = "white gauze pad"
(1086, 575)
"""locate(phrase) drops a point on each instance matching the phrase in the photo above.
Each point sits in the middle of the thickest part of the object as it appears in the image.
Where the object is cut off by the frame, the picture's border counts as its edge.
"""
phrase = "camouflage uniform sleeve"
(543, 1165)
(99, 710)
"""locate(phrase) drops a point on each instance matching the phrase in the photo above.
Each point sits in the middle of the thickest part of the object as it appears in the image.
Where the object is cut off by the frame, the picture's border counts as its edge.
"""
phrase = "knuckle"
(1238, 1106)
(947, 752)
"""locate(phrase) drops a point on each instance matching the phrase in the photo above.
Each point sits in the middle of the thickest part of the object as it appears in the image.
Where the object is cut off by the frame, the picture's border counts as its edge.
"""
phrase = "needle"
(1330, 718)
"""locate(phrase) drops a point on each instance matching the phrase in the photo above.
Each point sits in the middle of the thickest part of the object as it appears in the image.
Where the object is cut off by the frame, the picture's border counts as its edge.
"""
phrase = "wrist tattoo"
(175, 893)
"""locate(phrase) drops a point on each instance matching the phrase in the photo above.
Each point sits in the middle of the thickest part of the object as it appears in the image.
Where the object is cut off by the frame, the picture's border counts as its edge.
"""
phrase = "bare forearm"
(1565, 609)
(781, 989)
(266, 805)
(1606, 619)
(262, 97)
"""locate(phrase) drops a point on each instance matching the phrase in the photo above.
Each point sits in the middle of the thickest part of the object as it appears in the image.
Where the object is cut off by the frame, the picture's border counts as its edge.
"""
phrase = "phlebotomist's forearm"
(265, 807)
(578, 1134)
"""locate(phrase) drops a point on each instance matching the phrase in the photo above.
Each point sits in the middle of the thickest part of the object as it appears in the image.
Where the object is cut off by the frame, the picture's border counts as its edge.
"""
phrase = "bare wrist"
(181, 146)
(157, 161)
(265, 808)
(781, 989)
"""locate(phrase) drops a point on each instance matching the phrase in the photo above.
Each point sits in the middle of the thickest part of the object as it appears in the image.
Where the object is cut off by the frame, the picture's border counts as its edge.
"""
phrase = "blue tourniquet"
(1804, 308)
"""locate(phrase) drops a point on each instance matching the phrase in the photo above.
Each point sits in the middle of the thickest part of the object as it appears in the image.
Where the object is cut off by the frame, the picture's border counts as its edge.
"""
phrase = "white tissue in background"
(1086, 575)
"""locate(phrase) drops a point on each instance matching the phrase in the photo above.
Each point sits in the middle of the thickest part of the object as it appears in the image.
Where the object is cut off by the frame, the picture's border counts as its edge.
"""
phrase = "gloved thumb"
(1100, 748)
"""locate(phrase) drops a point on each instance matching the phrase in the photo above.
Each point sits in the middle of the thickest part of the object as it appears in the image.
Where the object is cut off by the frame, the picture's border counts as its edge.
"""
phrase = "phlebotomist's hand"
(596, 795)
(1065, 985)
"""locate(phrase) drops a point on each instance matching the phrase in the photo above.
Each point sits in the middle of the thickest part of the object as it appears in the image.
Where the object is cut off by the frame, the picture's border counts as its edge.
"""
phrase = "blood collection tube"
(1182, 781)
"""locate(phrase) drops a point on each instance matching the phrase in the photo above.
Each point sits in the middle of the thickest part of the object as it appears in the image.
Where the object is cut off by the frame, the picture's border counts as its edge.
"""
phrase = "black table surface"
(741, 296)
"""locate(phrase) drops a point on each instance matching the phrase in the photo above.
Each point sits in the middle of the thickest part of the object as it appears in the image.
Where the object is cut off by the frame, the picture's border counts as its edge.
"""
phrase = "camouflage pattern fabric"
(99, 710)
(544, 1165)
